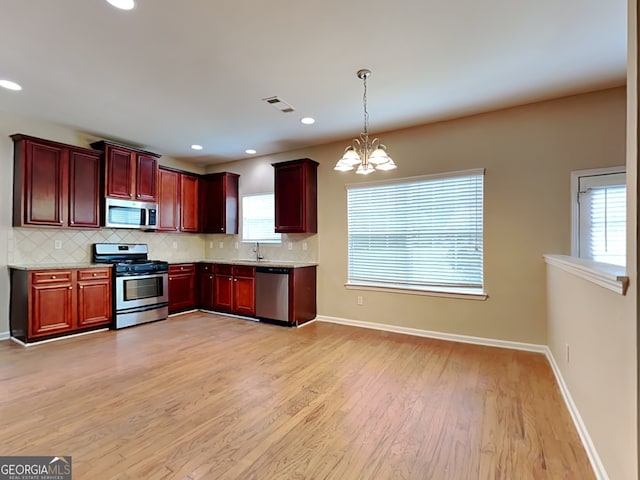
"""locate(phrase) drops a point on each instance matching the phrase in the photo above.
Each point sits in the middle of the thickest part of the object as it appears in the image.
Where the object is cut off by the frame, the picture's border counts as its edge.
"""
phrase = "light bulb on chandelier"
(367, 155)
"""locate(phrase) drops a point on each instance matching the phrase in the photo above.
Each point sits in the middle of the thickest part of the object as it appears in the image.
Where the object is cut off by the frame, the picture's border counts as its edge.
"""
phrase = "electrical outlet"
(236, 246)
(568, 352)
(221, 245)
(57, 244)
(360, 300)
(290, 245)
(304, 246)
(175, 245)
(210, 244)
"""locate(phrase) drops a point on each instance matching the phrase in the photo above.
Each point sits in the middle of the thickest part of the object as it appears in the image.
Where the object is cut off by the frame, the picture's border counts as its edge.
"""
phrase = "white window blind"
(417, 233)
(258, 219)
(602, 203)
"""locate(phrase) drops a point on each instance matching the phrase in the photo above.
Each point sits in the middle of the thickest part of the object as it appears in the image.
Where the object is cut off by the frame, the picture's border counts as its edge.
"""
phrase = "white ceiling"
(171, 73)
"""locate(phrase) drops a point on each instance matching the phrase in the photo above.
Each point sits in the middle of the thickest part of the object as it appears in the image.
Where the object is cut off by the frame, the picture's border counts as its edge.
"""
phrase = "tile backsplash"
(40, 246)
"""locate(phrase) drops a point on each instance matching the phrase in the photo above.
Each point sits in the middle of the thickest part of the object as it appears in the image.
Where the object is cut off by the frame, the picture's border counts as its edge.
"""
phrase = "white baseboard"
(594, 458)
(592, 453)
(5, 335)
(451, 337)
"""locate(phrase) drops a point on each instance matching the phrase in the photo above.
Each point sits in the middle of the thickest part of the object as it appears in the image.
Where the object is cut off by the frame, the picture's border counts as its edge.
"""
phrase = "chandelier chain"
(366, 112)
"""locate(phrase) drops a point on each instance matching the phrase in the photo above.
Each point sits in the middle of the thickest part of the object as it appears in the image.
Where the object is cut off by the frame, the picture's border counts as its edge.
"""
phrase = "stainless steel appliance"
(140, 285)
(272, 293)
(130, 214)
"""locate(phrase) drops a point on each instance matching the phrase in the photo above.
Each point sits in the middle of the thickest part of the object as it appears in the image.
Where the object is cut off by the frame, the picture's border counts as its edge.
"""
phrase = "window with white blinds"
(417, 233)
(602, 221)
(258, 219)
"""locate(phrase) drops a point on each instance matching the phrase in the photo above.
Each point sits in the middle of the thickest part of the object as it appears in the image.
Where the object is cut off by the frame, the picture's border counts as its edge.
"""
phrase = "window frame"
(576, 175)
(473, 293)
(277, 237)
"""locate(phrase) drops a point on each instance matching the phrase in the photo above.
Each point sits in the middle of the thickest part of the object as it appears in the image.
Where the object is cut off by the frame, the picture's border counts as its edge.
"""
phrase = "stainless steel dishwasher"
(272, 293)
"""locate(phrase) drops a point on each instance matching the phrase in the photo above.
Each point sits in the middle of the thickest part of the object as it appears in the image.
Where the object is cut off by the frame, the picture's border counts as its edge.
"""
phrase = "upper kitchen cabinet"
(129, 173)
(296, 204)
(189, 221)
(168, 200)
(177, 201)
(55, 184)
(219, 203)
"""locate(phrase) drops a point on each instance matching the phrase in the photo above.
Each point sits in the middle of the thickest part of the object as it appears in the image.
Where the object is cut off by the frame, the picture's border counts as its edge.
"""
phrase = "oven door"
(141, 290)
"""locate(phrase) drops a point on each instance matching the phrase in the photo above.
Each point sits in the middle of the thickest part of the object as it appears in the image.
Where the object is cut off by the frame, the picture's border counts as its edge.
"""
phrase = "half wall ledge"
(612, 277)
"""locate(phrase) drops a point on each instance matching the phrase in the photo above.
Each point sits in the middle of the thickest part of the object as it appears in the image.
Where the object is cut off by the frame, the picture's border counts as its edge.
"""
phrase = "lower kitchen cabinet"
(50, 303)
(302, 295)
(234, 289)
(94, 296)
(182, 281)
(206, 286)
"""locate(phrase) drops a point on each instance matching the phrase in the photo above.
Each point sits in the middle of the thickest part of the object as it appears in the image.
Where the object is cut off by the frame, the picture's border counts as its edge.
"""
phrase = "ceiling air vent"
(279, 104)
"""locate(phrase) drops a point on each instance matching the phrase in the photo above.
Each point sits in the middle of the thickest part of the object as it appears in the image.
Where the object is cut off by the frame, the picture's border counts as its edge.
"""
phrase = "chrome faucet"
(256, 249)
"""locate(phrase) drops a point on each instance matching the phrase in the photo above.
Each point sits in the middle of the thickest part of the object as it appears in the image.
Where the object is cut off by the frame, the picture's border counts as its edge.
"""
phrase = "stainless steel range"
(140, 285)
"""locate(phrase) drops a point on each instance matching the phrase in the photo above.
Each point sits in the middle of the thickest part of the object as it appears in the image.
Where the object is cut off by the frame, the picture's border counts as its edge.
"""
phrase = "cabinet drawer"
(94, 273)
(243, 271)
(205, 267)
(182, 268)
(223, 269)
(51, 276)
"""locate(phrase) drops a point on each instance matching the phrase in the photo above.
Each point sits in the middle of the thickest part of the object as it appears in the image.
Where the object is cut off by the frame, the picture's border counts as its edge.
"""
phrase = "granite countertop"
(254, 263)
(59, 266)
(250, 263)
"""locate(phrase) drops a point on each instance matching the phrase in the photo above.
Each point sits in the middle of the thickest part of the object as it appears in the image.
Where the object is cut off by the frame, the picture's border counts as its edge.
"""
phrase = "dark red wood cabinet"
(235, 289)
(94, 297)
(206, 286)
(219, 203)
(302, 295)
(189, 221)
(244, 290)
(130, 173)
(84, 189)
(168, 200)
(52, 303)
(178, 201)
(296, 204)
(55, 185)
(182, 280)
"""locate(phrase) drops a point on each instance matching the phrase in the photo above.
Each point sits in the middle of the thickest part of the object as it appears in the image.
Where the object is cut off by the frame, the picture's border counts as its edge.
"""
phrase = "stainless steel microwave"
(130, 214)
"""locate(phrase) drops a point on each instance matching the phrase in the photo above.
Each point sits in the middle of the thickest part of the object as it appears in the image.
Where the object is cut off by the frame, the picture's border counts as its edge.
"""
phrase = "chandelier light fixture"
(367, 155)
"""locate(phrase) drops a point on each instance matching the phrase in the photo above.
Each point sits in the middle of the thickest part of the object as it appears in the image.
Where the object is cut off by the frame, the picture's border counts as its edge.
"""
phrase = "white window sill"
(612, 277)
(449, 292)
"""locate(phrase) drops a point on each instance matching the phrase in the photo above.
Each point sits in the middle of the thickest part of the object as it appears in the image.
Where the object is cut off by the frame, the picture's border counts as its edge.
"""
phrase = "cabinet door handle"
(210, 277)
(81, 287)
(71, 288)
(95, 274)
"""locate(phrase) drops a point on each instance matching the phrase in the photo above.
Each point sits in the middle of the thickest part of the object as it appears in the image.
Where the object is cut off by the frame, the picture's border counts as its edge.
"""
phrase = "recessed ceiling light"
(250, 151)
(9, 85)
(308, 120)
(122, 4)
(196, 147)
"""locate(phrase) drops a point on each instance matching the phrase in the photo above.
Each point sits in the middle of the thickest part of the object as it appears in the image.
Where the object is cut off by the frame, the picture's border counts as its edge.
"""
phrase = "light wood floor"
(201, 396)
